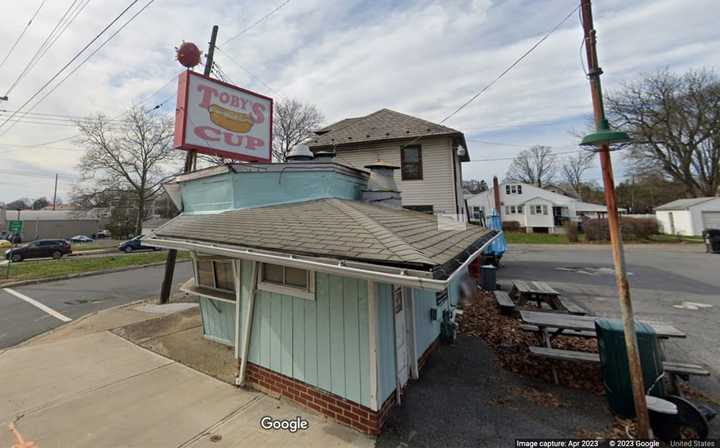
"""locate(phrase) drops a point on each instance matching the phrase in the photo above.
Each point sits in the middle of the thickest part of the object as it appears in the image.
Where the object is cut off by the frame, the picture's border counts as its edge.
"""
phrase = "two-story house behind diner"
(429, 155)
(534, 209)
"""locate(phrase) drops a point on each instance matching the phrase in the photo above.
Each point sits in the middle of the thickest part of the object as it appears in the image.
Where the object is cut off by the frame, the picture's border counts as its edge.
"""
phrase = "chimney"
(325, 156)
(496, 194)
(382, 189)
(299, 153)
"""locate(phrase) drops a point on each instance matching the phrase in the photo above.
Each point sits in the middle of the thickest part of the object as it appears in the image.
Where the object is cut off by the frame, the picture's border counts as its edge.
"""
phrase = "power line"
(511, 66)
(513, 158)
(252, 75)
(257, 22)
(77, 55)
(22, 33)
(49, 41)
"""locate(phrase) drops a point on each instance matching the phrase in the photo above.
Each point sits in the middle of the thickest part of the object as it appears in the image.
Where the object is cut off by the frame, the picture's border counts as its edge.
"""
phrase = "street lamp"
(604, 136)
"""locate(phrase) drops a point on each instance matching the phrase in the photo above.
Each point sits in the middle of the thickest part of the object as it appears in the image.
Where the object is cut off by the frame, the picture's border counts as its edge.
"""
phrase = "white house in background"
(689, 216)
(535, 209)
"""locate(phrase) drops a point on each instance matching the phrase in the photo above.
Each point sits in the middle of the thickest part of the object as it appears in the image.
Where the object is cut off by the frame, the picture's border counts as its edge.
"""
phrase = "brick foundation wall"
(334, 406)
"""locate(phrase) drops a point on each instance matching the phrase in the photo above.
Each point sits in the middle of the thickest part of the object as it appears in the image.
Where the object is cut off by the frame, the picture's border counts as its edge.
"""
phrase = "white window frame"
(520, 209)
(295, 291)
(519, 189)
(512, 210)
(513, 189)
(196, 277)
(507, 189)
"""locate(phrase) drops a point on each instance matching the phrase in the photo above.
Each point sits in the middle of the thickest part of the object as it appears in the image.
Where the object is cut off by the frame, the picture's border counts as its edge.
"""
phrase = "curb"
(82, 274)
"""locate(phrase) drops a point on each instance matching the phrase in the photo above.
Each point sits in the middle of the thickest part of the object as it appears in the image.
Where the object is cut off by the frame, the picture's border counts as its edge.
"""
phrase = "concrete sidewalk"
(83, 386)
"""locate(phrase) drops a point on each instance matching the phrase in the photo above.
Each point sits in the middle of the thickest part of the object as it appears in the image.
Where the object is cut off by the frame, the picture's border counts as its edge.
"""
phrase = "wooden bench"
(504, 301)
(577, 333)
(673, 370)
(572, 307)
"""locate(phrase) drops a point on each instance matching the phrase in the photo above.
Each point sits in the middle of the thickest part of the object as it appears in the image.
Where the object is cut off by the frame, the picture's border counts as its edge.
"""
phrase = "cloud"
(351, 58)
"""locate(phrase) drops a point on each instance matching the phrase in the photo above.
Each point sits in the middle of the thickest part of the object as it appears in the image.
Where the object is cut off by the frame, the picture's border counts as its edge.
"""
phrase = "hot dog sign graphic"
(217, 118)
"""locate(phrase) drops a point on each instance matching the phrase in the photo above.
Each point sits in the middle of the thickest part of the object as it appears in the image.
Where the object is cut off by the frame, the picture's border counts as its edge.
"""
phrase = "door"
(711, 220)
(401, 339)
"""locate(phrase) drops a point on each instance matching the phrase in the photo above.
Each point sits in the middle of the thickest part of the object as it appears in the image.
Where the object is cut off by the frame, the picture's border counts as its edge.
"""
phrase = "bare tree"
(674, 121)
(573, 170)
(134, 156)
(293, 122)
(535, 166)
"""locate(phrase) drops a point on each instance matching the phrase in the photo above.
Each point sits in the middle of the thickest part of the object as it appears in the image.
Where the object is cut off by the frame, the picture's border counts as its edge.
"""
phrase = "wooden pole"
(636, 376)
(55, 192)
(190, 160)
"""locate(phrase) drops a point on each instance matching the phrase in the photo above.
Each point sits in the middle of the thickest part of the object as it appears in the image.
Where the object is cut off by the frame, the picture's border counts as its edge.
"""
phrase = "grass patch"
(676, 239)
(537, 238)
(31, 270)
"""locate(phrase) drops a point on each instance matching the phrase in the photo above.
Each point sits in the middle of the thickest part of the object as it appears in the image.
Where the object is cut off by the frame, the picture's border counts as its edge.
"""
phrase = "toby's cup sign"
(217, 118)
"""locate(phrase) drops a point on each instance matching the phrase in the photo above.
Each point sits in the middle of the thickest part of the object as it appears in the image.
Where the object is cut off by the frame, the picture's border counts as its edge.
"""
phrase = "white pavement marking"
(37, 304)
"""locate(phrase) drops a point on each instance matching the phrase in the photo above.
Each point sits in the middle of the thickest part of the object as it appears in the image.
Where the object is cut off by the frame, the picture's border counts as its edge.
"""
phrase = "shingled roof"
(384, 124)
(335, 228)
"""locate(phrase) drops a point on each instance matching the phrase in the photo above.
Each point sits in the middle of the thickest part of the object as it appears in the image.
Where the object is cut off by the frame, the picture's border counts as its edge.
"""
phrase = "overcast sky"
(350, 58)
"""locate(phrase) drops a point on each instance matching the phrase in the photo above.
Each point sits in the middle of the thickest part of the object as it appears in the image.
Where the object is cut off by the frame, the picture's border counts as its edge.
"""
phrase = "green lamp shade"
(604, 136)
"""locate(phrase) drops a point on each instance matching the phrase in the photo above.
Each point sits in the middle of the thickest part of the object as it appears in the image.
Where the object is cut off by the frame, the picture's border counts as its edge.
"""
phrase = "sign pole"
(636, 376)
(190, 160)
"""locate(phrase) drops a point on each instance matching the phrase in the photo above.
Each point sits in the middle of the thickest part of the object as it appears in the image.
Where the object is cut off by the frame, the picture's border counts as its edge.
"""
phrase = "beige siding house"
(429, 155)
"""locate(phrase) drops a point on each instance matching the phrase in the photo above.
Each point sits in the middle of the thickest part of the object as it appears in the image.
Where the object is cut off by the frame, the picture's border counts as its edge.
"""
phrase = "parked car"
(135, 244)
(5, 244)
(102, 234)
(81, 239)
(39, 249)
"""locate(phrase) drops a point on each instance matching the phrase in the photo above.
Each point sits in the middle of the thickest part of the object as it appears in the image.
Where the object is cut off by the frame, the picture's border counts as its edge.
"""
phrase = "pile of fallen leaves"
(481, 317)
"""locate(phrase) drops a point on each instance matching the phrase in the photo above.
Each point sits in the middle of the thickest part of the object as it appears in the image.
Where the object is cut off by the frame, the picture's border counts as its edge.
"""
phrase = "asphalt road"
(663, 279)
(20, 319)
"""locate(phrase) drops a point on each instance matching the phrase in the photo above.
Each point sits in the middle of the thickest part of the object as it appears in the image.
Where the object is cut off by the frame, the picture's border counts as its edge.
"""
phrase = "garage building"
(689, 216)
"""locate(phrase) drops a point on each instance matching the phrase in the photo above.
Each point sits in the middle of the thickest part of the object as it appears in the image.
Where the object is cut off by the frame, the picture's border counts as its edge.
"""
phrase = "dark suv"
(39, 249)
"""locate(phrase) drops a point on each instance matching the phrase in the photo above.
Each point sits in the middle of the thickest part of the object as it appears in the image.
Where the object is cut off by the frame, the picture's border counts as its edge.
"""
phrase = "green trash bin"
(614, 363)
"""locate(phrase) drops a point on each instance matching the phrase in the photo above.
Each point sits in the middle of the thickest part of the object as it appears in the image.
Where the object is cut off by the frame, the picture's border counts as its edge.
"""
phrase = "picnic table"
(525, 291)
(551, 325)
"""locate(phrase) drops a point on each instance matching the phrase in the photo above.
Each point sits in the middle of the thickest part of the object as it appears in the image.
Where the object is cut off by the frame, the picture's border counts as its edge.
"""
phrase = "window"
(411, 162)
(520, 209)
(507, 209)
(519, 189)
(544, 209)
(507, 189)
(224, 276)
(513, 189)
(286, 280)
(512, 209)
(215, 274)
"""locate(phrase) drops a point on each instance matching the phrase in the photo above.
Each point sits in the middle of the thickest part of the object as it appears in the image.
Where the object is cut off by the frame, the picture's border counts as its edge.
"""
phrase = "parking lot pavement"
(20, 319)
(674, 283)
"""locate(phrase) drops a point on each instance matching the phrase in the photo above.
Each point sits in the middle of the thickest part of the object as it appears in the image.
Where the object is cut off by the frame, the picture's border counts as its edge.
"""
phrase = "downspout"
(453, 152)
(247, 327)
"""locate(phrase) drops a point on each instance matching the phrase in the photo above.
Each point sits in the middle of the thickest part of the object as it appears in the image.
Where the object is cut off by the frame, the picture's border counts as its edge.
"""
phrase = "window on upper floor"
(411, 162)
(520, 209)
(507, 189)
(519, 189)
(513, 189)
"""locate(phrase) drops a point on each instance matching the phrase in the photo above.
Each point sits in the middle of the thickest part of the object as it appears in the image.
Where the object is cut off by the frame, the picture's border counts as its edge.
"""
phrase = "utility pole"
(55, 192)
(190, 161)
(623, 286)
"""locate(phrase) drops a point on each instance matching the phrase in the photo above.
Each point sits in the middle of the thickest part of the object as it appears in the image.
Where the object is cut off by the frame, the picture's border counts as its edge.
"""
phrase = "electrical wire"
(73, 59)
(77, 67)
(257, 22)
(22, 33)
(49, 41)
(252, 75)
(511, 66)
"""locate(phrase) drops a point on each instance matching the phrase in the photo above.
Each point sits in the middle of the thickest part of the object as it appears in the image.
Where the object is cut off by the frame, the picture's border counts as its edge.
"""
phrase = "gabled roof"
(384, 124)
(335, 228)
(685, 204)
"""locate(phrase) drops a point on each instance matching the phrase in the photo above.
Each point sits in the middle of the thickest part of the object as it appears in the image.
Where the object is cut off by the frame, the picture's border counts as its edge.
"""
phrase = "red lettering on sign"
(207, 92)
(258, 113)
(229, 139)
(254, 142)
(207, 133)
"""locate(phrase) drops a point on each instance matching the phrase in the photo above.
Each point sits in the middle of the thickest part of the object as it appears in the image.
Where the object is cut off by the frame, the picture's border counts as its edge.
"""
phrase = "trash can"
(614, 364)
(488, 277)
(712, 240)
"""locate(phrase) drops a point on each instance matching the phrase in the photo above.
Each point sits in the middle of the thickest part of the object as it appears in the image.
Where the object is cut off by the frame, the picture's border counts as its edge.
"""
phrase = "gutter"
(401, 277)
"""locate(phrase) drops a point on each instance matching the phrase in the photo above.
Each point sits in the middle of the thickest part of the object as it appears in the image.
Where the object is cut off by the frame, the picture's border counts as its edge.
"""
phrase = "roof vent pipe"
(299, 153)
(382, 189)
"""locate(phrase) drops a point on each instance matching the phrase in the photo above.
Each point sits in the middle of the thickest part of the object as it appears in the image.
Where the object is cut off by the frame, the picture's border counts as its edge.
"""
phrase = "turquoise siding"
(454, 287)
(218, 319)
(426, 329)
(322, 342)
(205, 195)
(254, 189)
(262, 189)
(386, 342)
